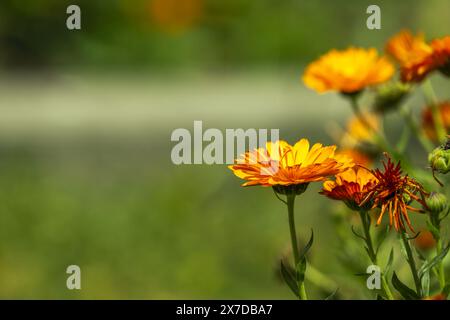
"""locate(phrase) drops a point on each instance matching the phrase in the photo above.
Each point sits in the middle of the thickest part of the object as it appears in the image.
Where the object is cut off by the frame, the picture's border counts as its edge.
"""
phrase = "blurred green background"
(85, 122)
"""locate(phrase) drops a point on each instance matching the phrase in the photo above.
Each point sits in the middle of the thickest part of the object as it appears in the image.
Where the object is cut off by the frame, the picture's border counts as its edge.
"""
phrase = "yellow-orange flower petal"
(394, 193)
(351, 186)
(281, 164)
(441, 54)
(347, 71)
(359, 158)
(418, 58)
(357, 131)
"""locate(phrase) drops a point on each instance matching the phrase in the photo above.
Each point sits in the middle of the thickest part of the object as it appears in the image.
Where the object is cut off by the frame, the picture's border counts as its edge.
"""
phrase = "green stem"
(372, 253)
(412, 263)
(437, 119)
(441, 271)
(295, 251)
(434, 219)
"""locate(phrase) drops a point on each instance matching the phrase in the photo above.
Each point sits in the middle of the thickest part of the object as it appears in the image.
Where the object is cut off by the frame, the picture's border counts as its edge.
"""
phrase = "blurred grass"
(86, 179)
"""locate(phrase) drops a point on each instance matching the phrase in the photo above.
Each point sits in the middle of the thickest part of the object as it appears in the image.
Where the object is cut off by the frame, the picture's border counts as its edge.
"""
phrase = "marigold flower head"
(417, 58)
(282, 165)
(352, 187)
(359, 158)
(393, 194)
(428, 124)
(441, 54)
(412, 53)
(357, 131)
(348, 71)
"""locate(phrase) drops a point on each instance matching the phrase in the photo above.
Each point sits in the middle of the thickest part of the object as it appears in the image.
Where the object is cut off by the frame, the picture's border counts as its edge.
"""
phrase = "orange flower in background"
(425, 240)
(359, 158)
(439, 296)
(441, 54)
(348, 71)
(428, 120)
(175, 16)
(412, 53)
(281, 164)
(406, 48)
(393, 193)
(416, 57)
(357, 131)
(351, 186)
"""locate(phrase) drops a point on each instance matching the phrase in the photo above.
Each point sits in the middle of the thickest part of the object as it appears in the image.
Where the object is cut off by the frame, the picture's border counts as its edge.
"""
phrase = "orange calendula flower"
(416, 57)
(412, 53)
(281, 165)
(348, 71)
(352, 187)
(425, 240)
(428, 120)
(393, 194)
(359, 158)
(441, 54)
(439, 296)
(358, 132)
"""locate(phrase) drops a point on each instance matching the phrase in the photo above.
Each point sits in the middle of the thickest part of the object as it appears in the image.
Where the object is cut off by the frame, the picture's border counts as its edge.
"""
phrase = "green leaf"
(434, 231)
(301, 270)
(403, 289)
(301, 266)
(289, 279)
(425, 281)
(413, 237)
(307, 247)
(379, 297)
(420, 255)
(446, 290)
(445, 215)
(403, 249)
(389, 263)
(381, 238)
(427, 266)
(331, 296)
(357, 234)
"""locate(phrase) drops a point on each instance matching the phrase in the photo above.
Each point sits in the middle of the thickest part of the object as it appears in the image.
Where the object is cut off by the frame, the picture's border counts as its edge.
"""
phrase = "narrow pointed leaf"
(433, 230)
(389, 263)
(331, 296)
(289, 279)
(301, 270)
(425, 282)
(427, 266)
(403, 289)
(307, 247)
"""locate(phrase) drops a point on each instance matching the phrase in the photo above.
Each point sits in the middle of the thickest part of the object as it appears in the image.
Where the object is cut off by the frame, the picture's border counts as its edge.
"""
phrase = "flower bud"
(439, 159)
(390, 95)
(436, 202)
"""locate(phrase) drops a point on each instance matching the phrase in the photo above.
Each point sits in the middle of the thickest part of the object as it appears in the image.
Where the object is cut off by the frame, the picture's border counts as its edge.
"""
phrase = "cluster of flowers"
(345, 175)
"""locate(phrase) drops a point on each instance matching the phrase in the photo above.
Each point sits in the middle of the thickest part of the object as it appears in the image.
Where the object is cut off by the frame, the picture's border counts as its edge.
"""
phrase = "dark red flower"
(393, 194)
